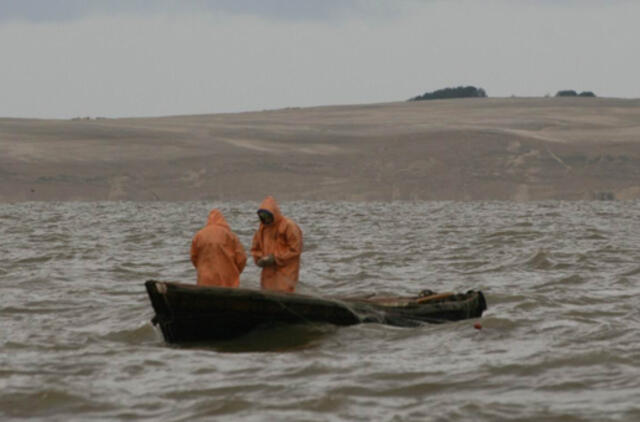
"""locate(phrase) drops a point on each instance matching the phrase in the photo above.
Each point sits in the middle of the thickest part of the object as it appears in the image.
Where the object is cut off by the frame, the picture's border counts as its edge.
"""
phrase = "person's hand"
(266, 261)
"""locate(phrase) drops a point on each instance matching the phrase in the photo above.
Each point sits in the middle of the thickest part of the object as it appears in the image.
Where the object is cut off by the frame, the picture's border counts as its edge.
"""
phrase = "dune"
(464, 149)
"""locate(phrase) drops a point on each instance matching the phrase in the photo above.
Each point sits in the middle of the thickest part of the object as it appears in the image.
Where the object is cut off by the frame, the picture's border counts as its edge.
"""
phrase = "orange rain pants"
(217, 253)
(282, 239)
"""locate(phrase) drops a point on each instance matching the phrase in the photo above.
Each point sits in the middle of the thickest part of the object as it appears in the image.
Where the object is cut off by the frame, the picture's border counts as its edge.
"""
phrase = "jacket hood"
(270, 204)
(216, 218)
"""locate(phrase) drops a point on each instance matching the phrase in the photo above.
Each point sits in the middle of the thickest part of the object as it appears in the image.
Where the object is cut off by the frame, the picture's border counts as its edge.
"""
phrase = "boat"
(190, 313)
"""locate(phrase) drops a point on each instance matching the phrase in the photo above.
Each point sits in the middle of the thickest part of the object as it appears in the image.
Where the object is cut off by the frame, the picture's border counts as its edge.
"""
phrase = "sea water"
(559, 342)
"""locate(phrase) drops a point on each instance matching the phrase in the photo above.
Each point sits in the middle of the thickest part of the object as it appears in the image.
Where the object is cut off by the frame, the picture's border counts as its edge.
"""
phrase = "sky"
(129, 58)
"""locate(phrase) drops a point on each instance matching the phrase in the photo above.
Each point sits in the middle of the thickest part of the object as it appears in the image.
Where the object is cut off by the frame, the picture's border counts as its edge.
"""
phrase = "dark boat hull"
(189, 313)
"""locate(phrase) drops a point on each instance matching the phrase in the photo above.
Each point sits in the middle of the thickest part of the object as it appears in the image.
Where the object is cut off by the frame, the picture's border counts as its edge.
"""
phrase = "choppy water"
(561, 338)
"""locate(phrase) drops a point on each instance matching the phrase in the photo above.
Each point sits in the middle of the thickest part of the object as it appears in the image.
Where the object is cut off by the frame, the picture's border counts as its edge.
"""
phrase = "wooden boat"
(190, 313)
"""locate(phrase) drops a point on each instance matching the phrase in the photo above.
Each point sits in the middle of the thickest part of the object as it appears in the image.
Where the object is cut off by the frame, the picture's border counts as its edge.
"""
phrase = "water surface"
(560, 340)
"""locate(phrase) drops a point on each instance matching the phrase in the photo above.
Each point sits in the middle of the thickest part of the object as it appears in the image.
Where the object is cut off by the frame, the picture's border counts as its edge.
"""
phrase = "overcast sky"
(113, 58)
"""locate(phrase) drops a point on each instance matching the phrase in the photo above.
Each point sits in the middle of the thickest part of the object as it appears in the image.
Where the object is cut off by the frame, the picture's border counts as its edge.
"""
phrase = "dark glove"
(267, 261)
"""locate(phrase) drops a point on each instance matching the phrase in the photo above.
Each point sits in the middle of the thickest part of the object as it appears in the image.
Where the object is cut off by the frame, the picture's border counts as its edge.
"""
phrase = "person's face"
(265, 217)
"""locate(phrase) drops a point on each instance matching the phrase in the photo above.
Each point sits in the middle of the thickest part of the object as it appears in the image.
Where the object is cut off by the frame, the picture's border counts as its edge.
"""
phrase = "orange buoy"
(477, 326)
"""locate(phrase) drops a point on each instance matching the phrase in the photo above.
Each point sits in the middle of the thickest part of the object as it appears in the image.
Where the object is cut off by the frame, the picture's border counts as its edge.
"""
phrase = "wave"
(570, 281)
(49, 402)
(143, 334)
(631, 272)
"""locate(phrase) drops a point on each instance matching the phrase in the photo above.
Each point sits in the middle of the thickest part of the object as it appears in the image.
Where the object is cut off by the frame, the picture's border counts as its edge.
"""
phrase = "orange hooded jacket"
(283, 239)
(217, 253)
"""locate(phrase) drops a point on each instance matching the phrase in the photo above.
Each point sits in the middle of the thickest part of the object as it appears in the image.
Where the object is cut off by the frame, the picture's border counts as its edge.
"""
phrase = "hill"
(518, 149)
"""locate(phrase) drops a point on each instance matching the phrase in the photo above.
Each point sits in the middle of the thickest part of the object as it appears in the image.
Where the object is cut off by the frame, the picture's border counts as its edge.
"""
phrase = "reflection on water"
(559, 340)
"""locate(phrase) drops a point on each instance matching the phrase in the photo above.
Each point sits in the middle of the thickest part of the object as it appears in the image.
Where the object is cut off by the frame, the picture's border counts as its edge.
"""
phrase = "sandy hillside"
(520, 149)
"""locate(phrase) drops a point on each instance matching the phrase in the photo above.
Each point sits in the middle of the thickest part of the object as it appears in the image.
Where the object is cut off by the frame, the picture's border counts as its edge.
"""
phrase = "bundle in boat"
(190, 313)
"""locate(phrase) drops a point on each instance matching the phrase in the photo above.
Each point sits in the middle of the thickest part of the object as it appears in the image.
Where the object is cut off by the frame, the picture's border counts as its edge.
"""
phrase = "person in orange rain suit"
(276, 248)
(217, 253)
